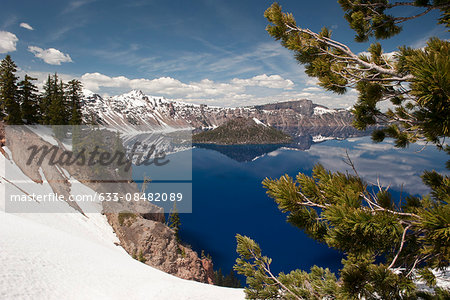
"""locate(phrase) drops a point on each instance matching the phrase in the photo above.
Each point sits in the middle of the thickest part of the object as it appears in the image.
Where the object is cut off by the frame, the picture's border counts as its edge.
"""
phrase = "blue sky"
(200, 51)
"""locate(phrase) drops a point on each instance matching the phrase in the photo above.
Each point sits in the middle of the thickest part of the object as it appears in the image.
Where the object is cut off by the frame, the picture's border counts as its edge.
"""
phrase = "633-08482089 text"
(152, 197)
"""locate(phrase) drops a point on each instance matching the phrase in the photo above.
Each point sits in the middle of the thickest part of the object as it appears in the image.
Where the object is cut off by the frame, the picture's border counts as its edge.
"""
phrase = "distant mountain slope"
(242, 131)
(135, 111)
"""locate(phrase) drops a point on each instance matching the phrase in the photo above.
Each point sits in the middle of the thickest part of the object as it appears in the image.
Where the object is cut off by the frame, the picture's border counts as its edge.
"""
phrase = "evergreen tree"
(9, 96)
(46, 100)
(387, 245)
(218, 277)
(29, 100)
(74, 96)
(54, 102)
(231, 280)
(174, 220)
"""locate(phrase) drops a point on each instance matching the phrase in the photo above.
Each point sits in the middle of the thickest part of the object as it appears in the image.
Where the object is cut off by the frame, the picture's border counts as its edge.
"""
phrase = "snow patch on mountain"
(320, 110)
(259, 122)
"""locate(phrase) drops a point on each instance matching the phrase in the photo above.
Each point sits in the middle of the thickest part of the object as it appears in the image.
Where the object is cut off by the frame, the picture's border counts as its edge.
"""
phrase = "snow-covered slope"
(72, 256)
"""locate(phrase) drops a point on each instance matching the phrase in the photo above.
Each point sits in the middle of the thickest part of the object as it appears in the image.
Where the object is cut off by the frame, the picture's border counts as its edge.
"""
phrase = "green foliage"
(375, 234)
(242, 131)
(59, 104)
(426, 275)
(126, 218)
(174, 220)
(361, 277)
(9, 97)
(263, 284)
(29, 99)
(57, 110)
(371, 18)
(141, 257)
(229, 280)
(74, 95)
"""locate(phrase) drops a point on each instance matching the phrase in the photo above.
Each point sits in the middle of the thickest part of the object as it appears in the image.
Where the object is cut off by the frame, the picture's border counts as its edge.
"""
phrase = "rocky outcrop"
(155, 244)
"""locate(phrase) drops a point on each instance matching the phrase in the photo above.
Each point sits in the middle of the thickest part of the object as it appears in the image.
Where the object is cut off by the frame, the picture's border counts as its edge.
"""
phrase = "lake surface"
(228, 197)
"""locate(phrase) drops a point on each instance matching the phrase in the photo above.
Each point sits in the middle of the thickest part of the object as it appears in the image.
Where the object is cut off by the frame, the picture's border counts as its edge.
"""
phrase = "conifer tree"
(387, 245)
(74, 95)
(29, 100)
(9, 96)
(46, 100)
(174, 220)
(54, 102)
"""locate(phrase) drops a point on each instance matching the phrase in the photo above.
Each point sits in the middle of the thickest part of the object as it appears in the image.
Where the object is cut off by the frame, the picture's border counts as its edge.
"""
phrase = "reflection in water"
(241, 153)
(303, 140)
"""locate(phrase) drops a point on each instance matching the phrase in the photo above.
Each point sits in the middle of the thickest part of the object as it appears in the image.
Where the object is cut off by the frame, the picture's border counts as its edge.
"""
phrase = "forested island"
(241, 131)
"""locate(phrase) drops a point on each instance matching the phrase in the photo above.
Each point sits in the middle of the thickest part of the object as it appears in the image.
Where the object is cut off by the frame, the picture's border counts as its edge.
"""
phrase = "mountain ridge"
(135, 111)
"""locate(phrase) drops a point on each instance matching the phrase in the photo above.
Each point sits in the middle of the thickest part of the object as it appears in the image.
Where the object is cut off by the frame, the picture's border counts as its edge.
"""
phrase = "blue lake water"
(228, 198)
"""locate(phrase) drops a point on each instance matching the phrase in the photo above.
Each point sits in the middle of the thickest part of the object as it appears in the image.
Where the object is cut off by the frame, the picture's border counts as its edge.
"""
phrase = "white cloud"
(312, 81)
(312, 89)
(51, 56)
(272, 81)
(167, 86)
(26, 26)
(8, 42)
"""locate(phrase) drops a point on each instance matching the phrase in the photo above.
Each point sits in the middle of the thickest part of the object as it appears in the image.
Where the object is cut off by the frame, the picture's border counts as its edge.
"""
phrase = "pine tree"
(29, 100)
(174, 220)
(74, 96)
(387, 245)
(46, 100)
(54, 102)
(218, 277)
(9, 96)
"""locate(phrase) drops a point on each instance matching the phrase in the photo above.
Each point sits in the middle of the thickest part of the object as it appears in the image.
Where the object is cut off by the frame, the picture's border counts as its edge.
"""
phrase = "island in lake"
(241, 131)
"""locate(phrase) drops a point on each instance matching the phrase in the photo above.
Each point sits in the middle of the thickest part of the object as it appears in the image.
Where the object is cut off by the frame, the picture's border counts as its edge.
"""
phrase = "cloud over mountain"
(171, 87)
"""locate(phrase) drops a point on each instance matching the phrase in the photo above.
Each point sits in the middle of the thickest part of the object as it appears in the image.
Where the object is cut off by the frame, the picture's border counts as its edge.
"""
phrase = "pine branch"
(401, 247)
(274, 278)
(350, 55)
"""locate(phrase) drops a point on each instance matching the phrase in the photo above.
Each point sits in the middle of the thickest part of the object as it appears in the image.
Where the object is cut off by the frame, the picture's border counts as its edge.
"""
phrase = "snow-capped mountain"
(135, 111)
